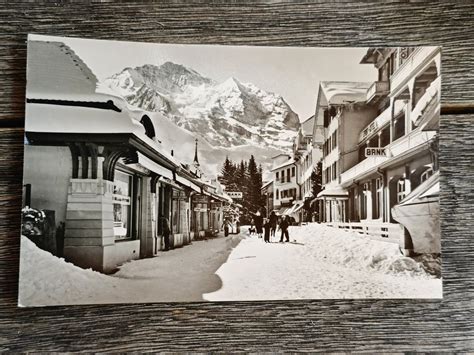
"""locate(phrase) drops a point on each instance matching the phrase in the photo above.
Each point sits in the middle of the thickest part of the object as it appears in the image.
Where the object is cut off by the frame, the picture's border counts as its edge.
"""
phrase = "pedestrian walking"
(267, 227)
(226, 226)
(273, 223)
(284, 224)
(166, 231)
(258, 219)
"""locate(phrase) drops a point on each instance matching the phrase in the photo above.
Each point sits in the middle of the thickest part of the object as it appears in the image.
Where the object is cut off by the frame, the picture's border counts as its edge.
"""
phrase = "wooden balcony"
(377, 90)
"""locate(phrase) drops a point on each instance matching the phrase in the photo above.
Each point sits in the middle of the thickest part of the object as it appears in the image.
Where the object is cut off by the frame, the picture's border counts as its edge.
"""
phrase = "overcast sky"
(293, 72)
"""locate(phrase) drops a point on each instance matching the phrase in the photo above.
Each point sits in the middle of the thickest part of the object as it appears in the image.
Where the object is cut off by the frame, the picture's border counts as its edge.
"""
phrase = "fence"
(386, 232)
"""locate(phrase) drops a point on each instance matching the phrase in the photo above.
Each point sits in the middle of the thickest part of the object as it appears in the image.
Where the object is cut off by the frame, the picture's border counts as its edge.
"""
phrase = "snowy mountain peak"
(226, 114)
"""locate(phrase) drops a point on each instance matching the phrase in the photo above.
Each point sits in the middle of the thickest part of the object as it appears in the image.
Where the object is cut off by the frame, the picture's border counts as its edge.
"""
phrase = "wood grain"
(320, 325)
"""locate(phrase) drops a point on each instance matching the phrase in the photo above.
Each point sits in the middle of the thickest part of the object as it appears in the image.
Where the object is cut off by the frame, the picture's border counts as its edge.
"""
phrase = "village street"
(319, 262)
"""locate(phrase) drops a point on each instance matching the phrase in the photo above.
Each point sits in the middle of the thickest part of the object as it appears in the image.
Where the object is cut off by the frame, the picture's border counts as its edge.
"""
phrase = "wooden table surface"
(319, 325)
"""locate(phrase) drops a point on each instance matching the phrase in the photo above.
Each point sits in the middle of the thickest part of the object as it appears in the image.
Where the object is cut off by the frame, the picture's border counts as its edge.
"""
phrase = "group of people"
(268, 226)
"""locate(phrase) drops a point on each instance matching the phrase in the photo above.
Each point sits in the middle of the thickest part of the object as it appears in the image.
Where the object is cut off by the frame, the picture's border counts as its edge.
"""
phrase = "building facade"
(391, 150)
(285, 184)
(102, 171)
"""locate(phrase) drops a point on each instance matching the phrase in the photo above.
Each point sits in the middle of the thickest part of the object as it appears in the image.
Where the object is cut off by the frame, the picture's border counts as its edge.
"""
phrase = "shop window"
(401, 190)
(426, 175)
(122, 205)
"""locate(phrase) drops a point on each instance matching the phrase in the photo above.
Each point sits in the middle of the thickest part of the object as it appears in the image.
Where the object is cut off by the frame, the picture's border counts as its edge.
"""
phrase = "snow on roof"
(266, 184)
(342, 92)
(307, 126)
(288, 162)
(55, 71)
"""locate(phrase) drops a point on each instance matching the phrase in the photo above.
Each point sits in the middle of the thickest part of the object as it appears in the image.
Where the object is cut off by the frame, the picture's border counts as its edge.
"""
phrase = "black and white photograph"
(210, 173)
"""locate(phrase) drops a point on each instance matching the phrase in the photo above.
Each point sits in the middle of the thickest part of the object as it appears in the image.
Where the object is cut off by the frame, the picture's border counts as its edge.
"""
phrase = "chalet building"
(285, 185)
(306, 158)
(380, 156)
(268, 195)
(341, 111)
(101, 169)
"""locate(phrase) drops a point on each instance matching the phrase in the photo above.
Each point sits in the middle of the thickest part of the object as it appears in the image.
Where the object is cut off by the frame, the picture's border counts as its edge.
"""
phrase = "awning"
(297, 207)
(152, 166)
(282, 211)
(188, 183)
(170, 182)
(333, 192)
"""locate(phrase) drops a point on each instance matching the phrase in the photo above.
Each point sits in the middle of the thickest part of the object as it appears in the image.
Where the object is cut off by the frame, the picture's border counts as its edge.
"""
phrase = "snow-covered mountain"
(227, 114)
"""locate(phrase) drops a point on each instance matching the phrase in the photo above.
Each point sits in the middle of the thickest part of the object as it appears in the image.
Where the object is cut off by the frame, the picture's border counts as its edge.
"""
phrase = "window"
(288, 177)
(293, 171)
(400, 190)
(277, 175)
(277, 194)
(426, 175)
(378, 198)
(334, 172)
(364, 200)
(399, 127)
(122, 205)
(282, 176)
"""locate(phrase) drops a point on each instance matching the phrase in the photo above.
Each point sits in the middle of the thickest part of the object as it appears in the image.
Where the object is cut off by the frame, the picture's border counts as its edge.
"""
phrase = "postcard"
(205, 173)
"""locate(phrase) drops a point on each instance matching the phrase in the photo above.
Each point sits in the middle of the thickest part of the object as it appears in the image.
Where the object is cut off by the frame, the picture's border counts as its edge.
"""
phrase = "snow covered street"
(180, 275)
(321, 262)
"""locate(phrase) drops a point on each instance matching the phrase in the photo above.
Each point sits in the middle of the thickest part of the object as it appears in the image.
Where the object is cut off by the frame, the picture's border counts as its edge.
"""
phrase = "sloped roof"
(55, 71)
(288, 162)
(307, 126)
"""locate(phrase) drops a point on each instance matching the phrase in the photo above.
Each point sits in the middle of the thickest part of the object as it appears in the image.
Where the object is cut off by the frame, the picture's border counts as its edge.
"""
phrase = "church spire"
(196, 160)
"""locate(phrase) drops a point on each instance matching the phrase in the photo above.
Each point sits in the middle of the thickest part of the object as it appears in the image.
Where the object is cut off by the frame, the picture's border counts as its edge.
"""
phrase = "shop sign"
(200, 199)
(376, 152)
(371, 128)
(199, 209)
(121, 199)
(235, 194)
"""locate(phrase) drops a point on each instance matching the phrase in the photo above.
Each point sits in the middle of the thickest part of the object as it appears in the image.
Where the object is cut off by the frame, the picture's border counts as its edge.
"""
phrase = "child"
(267, 228)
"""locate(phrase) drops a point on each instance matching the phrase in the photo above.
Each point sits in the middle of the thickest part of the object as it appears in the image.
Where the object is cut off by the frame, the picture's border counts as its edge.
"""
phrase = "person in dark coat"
(166, 231)
(258, 219)
(284, 224)
(273, 223)
(226, 227)
(267, 227)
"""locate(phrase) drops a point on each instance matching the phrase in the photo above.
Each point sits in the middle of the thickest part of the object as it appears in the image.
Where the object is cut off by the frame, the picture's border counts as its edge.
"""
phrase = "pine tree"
(226, 172)
(254, 185)
(317, 179)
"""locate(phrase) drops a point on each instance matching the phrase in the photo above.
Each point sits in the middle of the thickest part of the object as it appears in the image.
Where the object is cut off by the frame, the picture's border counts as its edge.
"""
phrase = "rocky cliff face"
(227, 114)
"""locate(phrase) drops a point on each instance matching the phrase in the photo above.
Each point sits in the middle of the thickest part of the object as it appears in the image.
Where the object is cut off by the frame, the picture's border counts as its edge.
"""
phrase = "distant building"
(285, 185)
(268, 195)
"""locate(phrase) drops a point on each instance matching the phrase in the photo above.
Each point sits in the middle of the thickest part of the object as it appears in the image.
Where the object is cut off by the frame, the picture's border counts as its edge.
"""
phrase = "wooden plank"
(449, 24)
(324, 325)
(320, 325)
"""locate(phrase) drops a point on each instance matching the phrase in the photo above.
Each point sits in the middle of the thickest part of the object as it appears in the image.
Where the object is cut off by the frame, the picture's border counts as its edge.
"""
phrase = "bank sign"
(376, 152)
(234, 194)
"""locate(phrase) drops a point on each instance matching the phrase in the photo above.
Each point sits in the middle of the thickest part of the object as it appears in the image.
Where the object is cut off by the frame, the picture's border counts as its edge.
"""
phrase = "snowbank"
(46, 279)
(355, 251)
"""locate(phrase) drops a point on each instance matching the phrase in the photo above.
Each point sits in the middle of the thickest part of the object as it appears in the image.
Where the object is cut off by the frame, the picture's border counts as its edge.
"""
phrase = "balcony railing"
(360, 169)
(417, 60)
(394, 149)
(377, 89)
